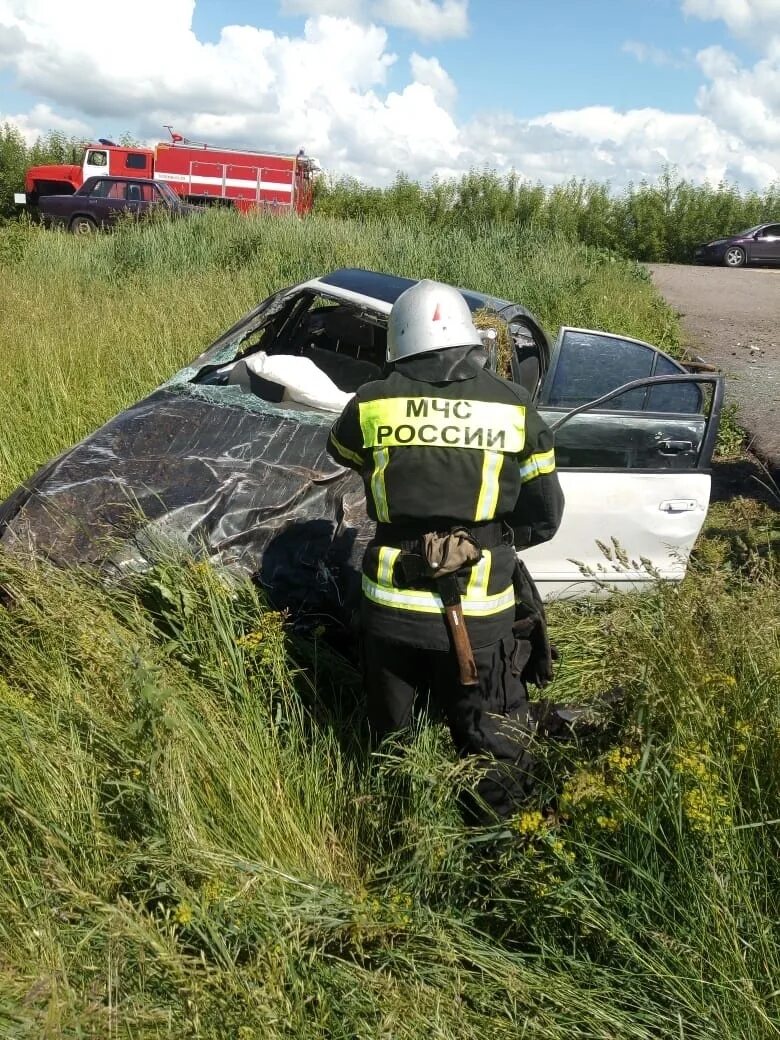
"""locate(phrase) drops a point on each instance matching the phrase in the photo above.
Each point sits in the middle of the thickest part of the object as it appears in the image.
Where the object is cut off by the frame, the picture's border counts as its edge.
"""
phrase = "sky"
(553, 89)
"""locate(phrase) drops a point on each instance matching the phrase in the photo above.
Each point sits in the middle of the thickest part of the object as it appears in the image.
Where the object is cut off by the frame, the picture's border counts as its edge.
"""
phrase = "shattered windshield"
(305, 351)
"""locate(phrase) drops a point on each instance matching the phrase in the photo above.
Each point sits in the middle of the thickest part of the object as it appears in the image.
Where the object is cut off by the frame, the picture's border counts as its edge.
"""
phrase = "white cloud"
(41, 119)
(430, 19)
(327, 90)
(757, 20)
(429, 73)
(743, 100)
(626, 146)
(647, 54)
(338, 8)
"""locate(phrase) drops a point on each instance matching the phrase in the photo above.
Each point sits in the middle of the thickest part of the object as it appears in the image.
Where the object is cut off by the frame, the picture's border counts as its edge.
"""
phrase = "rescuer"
(459, 469)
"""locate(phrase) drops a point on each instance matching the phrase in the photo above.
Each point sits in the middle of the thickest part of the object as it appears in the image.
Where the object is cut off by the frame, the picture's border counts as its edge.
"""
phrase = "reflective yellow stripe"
(378, 490)
(488, 492)
(444, 423)
(387, 558)
(345, 451)
(430, 603)
(537, 465)
(477, 587)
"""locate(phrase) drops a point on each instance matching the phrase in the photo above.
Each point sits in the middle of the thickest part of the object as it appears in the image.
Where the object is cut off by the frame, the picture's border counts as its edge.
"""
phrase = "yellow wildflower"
(584, 788)
(622, 759)
(183, 913)
(529, 823)
(607, 823)
(212, 891)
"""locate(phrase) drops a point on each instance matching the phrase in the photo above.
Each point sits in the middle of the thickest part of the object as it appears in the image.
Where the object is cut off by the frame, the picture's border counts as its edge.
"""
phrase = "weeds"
(194, 838)
(92, 325)
(195, 843)
(662, 220)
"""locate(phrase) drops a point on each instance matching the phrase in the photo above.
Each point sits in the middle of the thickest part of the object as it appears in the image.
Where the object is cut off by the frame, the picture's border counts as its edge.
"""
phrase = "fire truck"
(201, 174)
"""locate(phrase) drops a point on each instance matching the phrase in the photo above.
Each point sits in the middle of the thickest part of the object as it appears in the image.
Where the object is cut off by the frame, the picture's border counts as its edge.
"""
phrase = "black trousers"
(490, 719)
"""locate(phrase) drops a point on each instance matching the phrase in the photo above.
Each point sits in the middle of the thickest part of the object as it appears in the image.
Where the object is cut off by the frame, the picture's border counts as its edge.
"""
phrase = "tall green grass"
(194, 838)
(89, 326)
(662, 220)
(196, 843)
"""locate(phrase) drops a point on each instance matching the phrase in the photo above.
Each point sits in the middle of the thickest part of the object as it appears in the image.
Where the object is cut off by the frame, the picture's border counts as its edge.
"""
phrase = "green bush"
(660, 221)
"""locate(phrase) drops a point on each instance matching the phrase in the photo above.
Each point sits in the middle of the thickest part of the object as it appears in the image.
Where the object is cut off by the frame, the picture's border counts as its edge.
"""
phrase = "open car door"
(633, 463)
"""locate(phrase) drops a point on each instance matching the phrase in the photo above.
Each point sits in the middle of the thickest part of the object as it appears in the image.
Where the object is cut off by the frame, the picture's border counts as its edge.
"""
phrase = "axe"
(453, 609)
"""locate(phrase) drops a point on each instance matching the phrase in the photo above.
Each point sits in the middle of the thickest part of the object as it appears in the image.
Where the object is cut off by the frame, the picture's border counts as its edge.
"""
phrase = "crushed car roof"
(381, 288)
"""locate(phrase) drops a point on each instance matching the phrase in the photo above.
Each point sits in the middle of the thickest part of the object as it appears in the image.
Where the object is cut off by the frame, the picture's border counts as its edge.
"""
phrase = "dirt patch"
(732, 319)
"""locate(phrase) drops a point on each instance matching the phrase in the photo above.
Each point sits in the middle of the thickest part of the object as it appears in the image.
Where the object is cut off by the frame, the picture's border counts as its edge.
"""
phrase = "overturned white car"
(228, 458)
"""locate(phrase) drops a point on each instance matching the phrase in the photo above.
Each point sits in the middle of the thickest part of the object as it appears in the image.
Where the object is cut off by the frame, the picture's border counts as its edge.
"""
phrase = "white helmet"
(429, 316)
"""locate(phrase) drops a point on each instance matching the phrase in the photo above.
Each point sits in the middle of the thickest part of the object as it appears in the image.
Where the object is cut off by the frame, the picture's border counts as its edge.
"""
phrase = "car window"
(135, 161)
(603, 438)
(770, 232)
(100, 189)
(334, 327)
(587, 364)
(614, 440)
(116, 190)
(590, 364)
(141, 193)
(97, 157)
(683, 398)
(344, 341)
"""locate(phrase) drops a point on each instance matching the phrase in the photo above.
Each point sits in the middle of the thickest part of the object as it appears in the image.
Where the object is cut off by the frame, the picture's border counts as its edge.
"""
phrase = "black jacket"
(442, 441)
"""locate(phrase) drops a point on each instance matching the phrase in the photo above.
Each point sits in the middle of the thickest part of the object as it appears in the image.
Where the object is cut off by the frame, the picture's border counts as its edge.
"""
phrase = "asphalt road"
(732, 319)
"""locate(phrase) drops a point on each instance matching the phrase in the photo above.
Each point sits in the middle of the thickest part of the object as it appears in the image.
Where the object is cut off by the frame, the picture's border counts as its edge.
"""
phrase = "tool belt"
(434, 560)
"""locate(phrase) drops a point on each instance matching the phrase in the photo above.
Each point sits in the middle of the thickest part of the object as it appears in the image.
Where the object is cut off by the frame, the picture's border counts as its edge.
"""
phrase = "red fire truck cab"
(200, 174)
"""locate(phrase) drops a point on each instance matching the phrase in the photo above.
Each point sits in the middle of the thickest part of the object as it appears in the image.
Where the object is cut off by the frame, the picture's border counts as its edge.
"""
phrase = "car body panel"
(622, 529)
(760, 244)
(204, 466)
(104, 199)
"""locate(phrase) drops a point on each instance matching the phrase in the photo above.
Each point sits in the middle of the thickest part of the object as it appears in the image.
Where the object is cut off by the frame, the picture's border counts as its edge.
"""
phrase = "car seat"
(347, 373)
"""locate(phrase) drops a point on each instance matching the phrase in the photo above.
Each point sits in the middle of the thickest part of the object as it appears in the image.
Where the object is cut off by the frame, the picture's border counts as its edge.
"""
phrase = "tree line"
(662, 220)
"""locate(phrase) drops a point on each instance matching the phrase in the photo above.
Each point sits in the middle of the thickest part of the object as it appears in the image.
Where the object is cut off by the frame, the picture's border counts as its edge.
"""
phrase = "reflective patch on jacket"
(416, 617)
(443, 423)
(476, 600)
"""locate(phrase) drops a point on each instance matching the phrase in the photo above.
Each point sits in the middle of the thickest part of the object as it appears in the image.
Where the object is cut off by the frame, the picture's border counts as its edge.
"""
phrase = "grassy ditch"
(194, 840)
(88, 327)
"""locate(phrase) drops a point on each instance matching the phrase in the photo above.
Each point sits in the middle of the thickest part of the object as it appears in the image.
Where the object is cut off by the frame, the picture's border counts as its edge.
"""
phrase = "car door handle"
(679, 505)
(674, 447)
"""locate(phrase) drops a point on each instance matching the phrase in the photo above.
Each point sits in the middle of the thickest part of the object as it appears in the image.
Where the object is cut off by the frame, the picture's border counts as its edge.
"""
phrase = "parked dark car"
(100, 201)
(756, 245)
(227, 463)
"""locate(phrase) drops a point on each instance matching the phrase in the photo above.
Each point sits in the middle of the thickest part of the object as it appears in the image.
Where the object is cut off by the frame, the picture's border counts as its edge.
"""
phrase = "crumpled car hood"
(236, 483)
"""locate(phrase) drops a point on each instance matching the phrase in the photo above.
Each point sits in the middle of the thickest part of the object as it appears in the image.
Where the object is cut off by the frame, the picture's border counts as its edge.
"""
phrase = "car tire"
(734, 257)
(82, 226)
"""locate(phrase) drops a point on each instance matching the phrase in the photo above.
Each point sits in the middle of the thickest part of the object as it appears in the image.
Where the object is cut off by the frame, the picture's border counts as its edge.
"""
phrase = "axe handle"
(460, 640)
